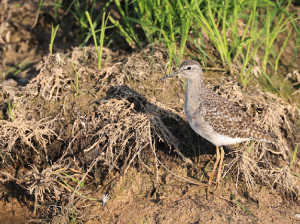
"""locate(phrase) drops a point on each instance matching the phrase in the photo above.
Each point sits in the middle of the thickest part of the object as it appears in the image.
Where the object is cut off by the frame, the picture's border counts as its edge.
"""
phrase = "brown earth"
(125, 135)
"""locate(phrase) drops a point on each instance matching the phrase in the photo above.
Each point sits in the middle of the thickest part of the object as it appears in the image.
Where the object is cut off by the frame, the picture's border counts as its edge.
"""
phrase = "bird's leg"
(213, 171)
(220, 167)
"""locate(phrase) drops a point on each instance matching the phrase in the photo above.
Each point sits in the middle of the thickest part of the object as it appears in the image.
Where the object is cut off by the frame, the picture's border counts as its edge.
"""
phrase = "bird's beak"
(168, 76)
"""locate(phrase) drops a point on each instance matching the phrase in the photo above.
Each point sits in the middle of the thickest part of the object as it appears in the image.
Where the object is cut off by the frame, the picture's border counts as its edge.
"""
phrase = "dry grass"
(117, 116)
(51, 81)
(116, 130)
(26, 132)
(285, 179)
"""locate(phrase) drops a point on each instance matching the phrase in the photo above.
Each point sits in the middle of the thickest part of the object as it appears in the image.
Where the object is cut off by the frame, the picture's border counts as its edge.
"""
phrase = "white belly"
(206, 131)
(220, 140)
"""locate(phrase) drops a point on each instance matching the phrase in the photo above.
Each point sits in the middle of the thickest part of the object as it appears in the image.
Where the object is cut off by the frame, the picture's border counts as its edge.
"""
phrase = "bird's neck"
(194, 89)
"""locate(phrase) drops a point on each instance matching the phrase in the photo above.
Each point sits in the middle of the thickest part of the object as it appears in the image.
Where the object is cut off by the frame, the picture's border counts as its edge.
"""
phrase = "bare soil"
(125, 135)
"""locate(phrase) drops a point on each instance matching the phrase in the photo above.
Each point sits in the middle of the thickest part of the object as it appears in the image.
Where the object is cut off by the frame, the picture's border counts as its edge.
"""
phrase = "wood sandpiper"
(215, 118)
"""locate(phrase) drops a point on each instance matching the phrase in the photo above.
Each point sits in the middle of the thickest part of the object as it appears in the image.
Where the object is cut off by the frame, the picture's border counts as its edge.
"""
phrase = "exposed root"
(22, 127)
(284, 178)
(51, 79)
(251, 170)
(44, 184)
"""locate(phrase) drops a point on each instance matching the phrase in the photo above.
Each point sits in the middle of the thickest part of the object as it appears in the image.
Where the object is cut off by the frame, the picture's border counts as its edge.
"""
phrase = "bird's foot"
(217, 185)
(208, 187)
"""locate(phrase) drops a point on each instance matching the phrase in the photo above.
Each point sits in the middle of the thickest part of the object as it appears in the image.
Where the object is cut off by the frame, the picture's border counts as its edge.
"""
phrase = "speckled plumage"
(214, 117)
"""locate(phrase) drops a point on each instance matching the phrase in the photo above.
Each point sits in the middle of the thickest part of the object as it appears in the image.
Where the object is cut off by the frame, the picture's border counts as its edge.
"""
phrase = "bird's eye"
(189, 68)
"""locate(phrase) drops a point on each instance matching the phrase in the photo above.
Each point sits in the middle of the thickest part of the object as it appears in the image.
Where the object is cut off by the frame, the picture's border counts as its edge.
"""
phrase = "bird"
(215, 118)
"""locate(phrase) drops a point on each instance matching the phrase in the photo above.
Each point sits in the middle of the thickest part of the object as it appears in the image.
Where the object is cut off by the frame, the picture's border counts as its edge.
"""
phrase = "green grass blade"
(53, 34)
(294, 156)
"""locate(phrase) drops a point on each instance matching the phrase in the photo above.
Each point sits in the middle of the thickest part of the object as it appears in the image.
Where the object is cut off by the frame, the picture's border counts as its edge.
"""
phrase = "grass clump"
(242, 32)
(171, 22)
(101, 39)
(53, 34)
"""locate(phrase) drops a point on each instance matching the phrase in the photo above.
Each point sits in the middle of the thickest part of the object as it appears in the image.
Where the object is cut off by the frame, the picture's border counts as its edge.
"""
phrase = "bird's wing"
(228, 119)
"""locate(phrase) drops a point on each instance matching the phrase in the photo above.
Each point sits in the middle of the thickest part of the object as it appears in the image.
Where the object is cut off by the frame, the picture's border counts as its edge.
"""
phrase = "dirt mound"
(79, 131)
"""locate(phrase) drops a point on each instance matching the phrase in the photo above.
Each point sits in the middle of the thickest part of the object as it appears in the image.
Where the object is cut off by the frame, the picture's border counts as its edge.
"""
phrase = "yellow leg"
(220, 167)
(213, 171)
